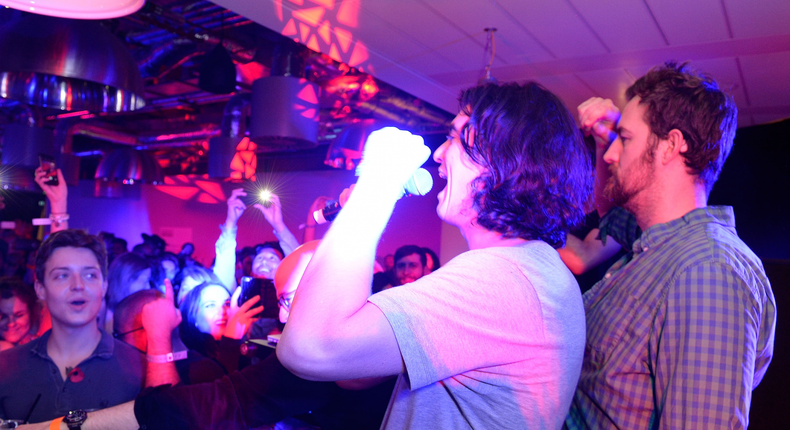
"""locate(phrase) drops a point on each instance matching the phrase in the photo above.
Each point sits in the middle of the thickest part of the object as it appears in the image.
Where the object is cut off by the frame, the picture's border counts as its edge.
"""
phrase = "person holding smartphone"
(57, 195)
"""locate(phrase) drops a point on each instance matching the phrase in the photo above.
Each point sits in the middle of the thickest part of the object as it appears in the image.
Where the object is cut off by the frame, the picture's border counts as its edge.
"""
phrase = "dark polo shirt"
(112, 375)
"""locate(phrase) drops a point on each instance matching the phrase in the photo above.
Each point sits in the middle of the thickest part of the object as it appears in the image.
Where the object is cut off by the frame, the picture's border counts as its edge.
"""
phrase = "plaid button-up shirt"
(679, 331)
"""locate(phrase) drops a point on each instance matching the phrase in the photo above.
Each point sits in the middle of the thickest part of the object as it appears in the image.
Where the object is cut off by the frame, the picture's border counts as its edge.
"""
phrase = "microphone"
(419, 184)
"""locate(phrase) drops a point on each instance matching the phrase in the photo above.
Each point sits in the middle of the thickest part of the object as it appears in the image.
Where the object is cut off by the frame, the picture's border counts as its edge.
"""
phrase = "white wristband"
(166, 358)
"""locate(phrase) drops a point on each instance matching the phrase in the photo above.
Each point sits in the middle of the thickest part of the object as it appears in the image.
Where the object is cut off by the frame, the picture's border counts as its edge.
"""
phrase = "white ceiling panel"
(513, 44)
(751, 18)
(725, 72)
(638, 31)
(557, 26)
(687, 22)
(609, 84)
(767, 78)
(577, 48)
(412, 18)
(569, 88)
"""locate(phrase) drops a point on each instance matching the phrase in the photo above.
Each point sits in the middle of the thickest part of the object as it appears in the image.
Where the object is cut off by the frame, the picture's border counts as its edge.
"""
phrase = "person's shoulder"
(11, 359)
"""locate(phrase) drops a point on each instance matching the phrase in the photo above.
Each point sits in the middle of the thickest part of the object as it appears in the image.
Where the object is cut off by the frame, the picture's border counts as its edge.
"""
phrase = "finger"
(234, 298)
(248, 314)
(178, 316)
(248, 304)
(169, 291)
(61, 180)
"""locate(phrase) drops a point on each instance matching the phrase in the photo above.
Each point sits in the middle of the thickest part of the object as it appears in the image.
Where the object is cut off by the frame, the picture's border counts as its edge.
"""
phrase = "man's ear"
(674, 145)
(41, 291)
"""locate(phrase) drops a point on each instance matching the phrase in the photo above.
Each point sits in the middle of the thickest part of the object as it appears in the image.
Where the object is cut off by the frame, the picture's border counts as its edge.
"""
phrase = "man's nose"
(612, 154)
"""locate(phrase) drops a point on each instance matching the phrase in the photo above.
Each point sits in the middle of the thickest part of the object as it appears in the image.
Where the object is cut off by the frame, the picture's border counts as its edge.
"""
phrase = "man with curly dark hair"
(501, 324)
(680, 330)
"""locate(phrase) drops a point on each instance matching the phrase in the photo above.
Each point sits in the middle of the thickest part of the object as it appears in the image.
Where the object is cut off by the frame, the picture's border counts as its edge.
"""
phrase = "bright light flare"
(265, 195)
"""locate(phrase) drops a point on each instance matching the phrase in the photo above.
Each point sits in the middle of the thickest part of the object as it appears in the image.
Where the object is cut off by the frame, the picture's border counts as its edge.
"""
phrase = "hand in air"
(161, 317)
(240, 318)
(235, 207)
(392, 155)
(273, 211)
(57, 194)
(598, 117)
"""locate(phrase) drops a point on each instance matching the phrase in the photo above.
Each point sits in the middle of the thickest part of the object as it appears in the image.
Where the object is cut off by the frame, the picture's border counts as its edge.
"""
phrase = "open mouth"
(78, 303)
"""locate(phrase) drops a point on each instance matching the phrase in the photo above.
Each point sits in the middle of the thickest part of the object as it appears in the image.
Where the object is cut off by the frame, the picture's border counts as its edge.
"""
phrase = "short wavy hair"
(539, 174)
(679, 98)
(70, 238)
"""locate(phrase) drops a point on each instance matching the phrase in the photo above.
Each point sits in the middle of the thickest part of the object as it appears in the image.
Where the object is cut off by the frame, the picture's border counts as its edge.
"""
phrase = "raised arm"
(599, 117)
(225, 248)
(58, 199)
(274, 215)
(333, 333)
(309, 226)
(160, 318)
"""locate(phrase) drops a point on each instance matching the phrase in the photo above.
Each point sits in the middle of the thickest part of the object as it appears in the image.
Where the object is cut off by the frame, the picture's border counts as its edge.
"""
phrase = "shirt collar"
(103, 350)
(656, 234)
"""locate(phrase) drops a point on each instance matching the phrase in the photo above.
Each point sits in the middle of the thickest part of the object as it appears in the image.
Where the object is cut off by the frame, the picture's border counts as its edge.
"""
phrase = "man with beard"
(681, 330)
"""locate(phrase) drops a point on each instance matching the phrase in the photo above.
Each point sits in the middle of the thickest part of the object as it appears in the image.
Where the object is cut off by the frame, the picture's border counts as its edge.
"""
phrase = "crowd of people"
(676, 335)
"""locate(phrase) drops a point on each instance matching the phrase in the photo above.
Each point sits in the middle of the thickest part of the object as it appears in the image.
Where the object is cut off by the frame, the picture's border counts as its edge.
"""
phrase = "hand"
(273, 213)
(161, 317)
(235, 207)
(392, 155)
(318, 204)
(345, 195)
(57, 194)
(599, 117)
(240, 318)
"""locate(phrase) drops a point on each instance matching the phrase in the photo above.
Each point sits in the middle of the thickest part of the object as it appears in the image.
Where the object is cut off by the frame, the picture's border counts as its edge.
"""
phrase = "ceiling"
(421, 53)
(576, 48)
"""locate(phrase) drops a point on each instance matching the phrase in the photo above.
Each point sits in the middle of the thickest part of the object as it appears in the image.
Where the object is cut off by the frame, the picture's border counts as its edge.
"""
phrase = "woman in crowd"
(19, 313)
(128, 274)
(190, 277)
(213, 323)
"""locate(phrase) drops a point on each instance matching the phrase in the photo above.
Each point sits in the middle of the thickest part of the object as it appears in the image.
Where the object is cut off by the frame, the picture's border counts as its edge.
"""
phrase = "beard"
(624, 185)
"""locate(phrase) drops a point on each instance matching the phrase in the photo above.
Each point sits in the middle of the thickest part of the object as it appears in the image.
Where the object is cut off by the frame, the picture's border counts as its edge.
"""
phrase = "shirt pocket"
(607, 328)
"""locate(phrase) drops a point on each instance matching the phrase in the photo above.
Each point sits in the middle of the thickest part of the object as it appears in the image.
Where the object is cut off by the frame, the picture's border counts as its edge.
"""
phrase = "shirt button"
(608, 275)
(644, 249)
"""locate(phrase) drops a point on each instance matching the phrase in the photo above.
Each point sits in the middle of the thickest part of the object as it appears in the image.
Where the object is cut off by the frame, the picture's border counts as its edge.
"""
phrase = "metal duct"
(222, 149)
(128, 165)
(69, 65)
(284, 114)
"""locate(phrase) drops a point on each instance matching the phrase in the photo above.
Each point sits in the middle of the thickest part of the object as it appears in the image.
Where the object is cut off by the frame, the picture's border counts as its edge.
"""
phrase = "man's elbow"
(305, 359)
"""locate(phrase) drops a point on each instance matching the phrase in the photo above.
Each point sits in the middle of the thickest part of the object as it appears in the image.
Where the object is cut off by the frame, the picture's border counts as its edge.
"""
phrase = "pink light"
(78, 9)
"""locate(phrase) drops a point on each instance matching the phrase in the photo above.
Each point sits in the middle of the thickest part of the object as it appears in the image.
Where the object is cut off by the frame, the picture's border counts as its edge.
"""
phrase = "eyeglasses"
(120, 335)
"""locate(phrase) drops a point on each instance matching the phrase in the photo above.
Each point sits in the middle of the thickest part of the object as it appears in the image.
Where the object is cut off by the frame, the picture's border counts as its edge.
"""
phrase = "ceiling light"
(78, 9)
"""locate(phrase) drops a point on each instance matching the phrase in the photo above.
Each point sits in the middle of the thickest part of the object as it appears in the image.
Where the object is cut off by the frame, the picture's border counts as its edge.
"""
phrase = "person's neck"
(71, 345)
(671, 203)
(478, 237)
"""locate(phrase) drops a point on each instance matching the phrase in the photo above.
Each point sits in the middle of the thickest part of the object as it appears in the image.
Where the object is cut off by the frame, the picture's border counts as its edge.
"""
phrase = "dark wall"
(756, 182)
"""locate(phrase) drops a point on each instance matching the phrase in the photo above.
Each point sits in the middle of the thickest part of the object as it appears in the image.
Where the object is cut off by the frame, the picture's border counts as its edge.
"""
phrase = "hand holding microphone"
(390, 156)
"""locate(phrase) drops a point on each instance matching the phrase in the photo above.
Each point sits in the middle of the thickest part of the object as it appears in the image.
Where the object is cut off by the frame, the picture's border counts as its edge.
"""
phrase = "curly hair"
(539, 174)
(73, 238)
(679, 98)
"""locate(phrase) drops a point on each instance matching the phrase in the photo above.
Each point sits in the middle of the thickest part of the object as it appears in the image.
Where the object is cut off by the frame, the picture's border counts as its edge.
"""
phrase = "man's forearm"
(337, 281)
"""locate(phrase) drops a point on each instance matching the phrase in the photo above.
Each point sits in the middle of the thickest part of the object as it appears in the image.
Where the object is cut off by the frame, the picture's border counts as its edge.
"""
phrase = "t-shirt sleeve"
(477, 311)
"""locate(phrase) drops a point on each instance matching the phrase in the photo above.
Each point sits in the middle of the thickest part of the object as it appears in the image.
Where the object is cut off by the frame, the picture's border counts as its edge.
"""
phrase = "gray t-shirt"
(492, 340)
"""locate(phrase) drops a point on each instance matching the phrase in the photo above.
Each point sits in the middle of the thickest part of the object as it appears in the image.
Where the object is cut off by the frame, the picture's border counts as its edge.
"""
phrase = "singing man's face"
(456, 206)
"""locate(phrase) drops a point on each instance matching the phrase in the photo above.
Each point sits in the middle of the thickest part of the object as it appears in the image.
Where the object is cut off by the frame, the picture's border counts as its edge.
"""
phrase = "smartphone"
(256, 195)
(251, 287)
(47, 163)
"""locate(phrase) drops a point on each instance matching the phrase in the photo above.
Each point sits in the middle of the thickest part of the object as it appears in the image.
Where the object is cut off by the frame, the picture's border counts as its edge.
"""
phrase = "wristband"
(166, 358)
(55, 424)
